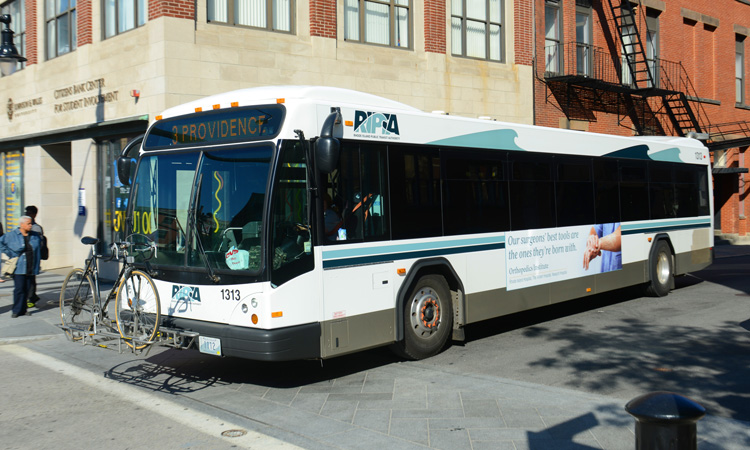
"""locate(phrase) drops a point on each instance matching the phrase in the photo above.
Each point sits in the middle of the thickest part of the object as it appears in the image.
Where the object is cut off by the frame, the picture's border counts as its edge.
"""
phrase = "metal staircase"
(632, 47)
(653, 96)
(680, 113)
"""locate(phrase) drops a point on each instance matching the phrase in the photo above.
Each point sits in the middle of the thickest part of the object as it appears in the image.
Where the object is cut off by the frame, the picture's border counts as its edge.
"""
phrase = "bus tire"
(661, 270)
(428, 318)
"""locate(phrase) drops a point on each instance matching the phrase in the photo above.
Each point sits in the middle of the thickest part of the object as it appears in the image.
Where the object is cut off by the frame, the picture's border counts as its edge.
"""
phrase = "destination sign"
(221, 126)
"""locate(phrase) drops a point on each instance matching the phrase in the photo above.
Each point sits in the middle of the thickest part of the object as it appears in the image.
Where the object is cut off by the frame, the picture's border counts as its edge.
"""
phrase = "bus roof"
(273, 94)
(375, 118)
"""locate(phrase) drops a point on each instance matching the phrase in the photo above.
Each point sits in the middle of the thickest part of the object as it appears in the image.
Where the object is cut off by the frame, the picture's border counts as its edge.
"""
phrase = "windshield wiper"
(193, 225)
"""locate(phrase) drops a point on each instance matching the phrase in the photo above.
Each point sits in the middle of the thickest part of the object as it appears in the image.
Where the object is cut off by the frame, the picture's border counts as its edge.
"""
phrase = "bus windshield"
(204, 208)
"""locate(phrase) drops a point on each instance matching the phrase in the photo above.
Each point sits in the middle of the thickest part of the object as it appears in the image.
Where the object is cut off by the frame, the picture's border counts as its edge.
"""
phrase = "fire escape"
(656, 95)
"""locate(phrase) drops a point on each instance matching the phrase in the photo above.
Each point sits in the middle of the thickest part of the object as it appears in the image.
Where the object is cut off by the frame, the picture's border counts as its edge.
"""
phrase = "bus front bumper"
(282, 344)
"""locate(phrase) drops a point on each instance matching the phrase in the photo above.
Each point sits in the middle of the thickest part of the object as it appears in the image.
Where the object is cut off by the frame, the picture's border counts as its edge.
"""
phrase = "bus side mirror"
(326, 146)
(326, 154)
(125, 162)
(124, 165)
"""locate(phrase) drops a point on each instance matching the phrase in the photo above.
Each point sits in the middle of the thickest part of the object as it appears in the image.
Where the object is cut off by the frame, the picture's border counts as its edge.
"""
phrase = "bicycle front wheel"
(138, 309)
(77, 303)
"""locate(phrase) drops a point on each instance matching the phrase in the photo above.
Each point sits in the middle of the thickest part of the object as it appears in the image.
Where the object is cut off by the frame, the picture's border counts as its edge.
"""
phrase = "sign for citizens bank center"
(534, 257)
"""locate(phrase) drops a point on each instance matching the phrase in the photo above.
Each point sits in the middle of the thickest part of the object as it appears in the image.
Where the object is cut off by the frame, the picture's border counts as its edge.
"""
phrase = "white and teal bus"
(300, 222)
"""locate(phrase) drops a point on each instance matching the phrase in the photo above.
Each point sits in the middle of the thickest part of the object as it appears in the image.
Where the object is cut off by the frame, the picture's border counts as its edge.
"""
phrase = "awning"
(728, 170)
(127, 125)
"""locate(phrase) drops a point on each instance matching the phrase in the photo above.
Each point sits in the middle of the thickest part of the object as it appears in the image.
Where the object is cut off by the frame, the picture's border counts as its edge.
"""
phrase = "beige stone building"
(98, 72)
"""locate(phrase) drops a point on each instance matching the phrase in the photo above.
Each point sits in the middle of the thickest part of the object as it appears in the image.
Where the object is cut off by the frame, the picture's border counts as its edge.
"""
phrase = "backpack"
(44, 251)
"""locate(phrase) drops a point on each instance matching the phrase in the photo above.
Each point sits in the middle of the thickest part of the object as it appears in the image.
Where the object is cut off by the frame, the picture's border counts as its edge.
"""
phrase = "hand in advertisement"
(593, 249)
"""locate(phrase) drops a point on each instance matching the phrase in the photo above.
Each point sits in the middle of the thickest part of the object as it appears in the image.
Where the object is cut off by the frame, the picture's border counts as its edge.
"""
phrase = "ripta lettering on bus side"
(376, 125)
(186, 293)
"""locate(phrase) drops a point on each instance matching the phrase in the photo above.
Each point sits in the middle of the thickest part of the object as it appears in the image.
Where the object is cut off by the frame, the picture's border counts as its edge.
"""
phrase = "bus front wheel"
(661, 270)
(428, 318)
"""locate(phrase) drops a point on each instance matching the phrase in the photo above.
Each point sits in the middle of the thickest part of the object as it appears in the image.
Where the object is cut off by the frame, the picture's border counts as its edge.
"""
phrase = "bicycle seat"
(88, 240)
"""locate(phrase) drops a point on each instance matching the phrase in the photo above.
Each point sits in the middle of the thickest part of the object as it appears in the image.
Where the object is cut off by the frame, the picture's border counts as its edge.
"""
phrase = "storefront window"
(11, 168)
(114, 195)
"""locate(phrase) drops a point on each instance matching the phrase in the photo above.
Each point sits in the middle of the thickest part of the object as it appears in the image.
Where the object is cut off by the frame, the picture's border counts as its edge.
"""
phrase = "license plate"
(209, 345)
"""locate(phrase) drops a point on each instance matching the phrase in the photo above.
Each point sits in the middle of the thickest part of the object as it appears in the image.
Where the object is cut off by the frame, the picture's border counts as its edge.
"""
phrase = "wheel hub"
(662, 268)
(425, 312)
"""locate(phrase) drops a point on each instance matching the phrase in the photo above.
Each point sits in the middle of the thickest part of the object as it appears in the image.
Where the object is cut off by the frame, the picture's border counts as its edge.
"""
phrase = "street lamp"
(9, 56)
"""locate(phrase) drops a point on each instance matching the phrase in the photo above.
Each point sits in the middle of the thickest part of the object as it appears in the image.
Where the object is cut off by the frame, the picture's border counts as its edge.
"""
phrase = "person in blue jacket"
(24, 244)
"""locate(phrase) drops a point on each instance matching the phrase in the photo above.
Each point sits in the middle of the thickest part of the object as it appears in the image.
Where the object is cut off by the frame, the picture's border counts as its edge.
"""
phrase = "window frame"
(739, 78)
(18, 25)
(269, 5)
(587, 44)
(393, 7)
(557, 41)
(71, 16)
(653, 44)
(140, 16)
(488, 23)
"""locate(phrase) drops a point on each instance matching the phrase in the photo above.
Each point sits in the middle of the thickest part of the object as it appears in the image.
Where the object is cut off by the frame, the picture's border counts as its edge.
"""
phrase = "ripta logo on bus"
(186, 293)
(374, 123)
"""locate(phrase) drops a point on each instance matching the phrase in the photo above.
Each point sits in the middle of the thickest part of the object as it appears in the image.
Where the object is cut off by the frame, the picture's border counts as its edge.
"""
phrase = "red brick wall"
(323, 18)
(434, 26)
(83, 12)
(705, 50)
(32, 35)
(524, 32)
(181, 9)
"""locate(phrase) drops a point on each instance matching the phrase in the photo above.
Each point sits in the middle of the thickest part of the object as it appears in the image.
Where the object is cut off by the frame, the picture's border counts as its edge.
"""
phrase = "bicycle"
(137, 307)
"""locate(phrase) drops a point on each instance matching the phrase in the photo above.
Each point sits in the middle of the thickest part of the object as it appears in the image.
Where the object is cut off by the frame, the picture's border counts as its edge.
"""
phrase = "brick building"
(99, 71)
(673, 67)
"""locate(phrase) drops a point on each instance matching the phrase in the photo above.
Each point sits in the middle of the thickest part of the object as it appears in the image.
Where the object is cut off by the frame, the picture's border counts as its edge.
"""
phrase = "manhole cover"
(233, 433)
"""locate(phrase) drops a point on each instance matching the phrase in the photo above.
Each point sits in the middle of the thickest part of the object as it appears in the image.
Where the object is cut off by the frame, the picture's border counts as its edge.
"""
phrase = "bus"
(303, 222)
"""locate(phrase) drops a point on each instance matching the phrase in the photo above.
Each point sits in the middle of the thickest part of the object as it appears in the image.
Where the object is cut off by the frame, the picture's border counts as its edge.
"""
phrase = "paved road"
(551, 379)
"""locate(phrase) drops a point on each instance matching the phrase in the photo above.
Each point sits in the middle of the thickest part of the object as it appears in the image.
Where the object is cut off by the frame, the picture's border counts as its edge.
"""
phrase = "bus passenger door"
(358, 281)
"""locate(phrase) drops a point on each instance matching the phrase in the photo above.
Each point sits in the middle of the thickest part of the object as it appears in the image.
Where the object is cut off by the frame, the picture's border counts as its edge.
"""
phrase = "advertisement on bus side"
(534, 257)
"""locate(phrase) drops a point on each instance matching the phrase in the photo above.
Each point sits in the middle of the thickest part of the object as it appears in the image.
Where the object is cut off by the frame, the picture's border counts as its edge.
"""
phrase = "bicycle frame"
(101, 324)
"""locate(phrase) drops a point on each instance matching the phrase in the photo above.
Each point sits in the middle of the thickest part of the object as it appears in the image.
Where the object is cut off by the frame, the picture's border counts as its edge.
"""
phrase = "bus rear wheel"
(660, 270)
(428, 318)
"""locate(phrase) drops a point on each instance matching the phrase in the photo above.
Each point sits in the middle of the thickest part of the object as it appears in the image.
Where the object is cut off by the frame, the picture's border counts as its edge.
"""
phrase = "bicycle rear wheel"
(138, 309)
(77, 303)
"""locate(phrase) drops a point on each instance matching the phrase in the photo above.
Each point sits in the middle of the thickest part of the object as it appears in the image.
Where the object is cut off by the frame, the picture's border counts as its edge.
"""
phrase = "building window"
(123, 15)
(61, 27)
(583, 41)
(739, 69)
(476, 29)
(17, 12)
(272, 15)
(552, 38)
(378, 22)
(652, 45)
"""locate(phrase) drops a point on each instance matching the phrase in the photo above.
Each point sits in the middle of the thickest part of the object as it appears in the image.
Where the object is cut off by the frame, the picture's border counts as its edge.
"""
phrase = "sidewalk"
(41, 321)
(403, 405)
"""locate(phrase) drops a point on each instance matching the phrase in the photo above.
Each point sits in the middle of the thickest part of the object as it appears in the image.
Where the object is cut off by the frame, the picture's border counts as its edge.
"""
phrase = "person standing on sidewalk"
(32, 211)
(26, 245)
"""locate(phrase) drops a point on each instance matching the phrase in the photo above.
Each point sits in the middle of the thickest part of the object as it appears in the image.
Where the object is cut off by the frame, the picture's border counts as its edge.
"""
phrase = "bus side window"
(606, 191)
(415, 192)
(374, 172)
(574, 192)
(358, 193)
(532, 198)
(661, 191)
(475, 191)
(634, 198)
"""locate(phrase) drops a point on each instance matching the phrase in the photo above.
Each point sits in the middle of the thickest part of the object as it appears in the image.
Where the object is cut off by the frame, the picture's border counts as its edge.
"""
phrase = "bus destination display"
(216, 127)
